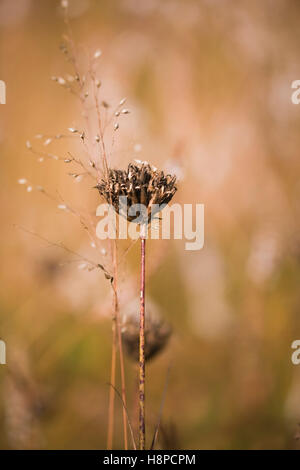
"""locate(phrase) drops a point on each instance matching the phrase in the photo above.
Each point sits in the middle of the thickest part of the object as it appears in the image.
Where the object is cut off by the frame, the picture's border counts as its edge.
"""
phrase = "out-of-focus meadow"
(208, 85)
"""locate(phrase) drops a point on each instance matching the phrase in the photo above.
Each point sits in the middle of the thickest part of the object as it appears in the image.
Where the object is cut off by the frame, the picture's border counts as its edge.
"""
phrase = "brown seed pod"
(140, 184)
(157, 332)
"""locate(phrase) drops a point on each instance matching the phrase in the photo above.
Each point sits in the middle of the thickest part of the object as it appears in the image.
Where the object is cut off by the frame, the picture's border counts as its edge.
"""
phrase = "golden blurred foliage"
(208, 85)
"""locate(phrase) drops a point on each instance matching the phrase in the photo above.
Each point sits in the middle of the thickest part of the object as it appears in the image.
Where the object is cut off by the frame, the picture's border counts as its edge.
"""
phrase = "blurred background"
(208, 86)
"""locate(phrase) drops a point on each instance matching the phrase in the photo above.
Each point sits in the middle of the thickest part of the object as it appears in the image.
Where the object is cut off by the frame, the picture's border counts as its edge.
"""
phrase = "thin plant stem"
(111, 404)
(119, 335)
(142, 433)
(135, 400)
(128, 419)
(161, 409)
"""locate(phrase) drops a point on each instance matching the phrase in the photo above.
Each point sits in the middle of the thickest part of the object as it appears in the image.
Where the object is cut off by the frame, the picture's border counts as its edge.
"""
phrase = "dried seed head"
(97, 54)
(82, 266)
(137, 147)
(141, 184)
(157, 332)
(61, 81)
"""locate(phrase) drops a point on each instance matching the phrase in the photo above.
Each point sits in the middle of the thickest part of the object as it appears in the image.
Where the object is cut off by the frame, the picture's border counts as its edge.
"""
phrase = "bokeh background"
(208, 85)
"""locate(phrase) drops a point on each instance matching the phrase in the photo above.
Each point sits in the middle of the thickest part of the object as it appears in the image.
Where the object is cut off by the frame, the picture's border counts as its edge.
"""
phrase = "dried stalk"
(127, 416)
(119, 334)
(142, 434)
(111, 405)
(93, 169)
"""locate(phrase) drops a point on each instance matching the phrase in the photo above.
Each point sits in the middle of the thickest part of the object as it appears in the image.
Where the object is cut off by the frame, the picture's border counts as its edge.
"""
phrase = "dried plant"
(143, 185)
(140, 183)
(93, 164)
(157, 332)
(25, 404)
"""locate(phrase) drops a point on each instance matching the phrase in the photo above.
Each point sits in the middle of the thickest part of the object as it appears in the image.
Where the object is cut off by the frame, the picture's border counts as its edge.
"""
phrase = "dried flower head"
(142, 184)
(157, 333)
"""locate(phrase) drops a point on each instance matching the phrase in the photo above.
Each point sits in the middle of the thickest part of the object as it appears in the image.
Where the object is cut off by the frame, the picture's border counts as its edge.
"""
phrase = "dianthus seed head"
(141, 184)
(157, 335)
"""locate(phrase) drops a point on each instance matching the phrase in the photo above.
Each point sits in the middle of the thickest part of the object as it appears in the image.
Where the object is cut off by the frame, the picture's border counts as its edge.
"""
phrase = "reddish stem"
(142, 351)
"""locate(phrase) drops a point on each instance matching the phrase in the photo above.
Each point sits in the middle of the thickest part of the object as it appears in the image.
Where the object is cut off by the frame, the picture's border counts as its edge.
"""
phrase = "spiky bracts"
(141, 184)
